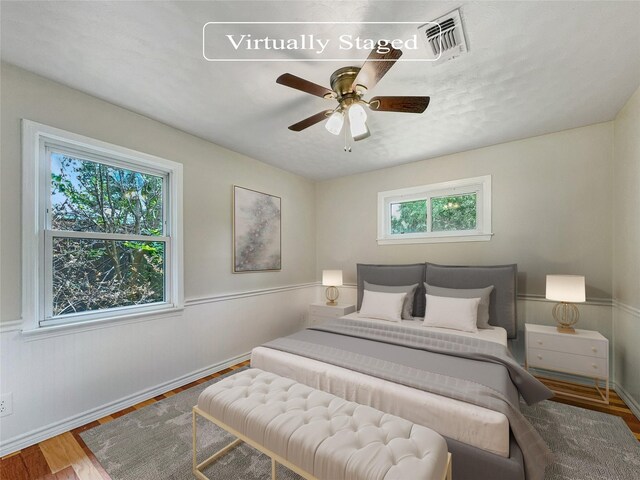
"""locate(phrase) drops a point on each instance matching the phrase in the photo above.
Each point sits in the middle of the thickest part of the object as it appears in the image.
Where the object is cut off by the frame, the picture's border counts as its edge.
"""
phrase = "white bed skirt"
(467, 423)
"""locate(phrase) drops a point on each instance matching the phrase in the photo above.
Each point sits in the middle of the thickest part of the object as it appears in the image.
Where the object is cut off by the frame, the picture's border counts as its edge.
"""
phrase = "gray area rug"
(154, 443)
(588, 445)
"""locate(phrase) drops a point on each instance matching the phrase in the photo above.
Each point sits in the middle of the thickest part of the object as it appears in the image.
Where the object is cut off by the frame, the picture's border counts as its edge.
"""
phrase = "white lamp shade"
(357, 113)
(566, 288)
(358, 122)
(334, 124)
(332, 278)
(360, 134)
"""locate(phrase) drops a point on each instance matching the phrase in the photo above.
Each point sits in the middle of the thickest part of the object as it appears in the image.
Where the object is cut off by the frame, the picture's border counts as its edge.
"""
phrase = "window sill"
(38, 333)
(437, 239)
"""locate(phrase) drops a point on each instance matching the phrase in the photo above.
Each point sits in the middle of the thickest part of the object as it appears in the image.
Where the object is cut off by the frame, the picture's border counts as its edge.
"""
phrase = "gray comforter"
(468, 369)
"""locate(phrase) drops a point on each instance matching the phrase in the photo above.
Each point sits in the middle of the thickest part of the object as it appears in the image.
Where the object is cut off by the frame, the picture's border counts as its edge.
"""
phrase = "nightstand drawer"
(568, 343)
(569, 363)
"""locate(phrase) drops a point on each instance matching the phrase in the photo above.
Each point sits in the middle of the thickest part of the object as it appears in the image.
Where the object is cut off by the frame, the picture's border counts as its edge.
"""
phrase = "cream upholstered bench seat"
(316, 434)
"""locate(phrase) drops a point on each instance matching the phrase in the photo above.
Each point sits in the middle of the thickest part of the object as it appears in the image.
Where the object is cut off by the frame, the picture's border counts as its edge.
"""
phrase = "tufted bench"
(316, 434)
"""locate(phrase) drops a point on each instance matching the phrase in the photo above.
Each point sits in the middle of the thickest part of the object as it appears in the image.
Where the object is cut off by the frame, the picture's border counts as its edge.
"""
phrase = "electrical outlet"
(6, 404)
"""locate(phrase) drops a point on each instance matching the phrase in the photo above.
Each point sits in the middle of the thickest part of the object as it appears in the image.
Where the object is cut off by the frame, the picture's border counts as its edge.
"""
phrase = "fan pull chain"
(347, 137)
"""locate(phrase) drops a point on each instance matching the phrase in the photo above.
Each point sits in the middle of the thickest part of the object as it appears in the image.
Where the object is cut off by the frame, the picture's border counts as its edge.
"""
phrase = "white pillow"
(454, 313)
(382, 305)
(483, 293)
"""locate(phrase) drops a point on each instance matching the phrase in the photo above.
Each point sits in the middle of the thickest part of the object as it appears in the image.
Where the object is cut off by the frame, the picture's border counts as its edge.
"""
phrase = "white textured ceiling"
(533, 68)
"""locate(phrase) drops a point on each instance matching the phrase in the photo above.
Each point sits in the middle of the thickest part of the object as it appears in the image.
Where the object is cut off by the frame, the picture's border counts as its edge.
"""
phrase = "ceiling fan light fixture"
(348, 86)
(335, 122)
(357, 113)
(362, 133)
(358, 122)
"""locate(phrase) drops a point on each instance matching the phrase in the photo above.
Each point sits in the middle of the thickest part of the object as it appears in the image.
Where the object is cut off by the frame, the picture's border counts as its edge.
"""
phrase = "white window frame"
(481, 186)
(37, 140)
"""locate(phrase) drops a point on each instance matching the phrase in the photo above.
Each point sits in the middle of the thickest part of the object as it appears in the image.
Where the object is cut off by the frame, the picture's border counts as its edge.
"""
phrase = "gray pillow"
(482, 293)
(410, 290)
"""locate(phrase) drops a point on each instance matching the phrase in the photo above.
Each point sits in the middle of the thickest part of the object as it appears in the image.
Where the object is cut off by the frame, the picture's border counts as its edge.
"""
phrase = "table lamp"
(332, 279)
(566, 289)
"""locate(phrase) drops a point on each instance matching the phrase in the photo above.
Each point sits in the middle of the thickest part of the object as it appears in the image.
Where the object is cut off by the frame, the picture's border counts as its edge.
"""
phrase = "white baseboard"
(631, 402)
(38, 435)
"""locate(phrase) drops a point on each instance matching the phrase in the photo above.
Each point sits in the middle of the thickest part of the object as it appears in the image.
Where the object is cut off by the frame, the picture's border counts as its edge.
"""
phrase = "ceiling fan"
(348, 86)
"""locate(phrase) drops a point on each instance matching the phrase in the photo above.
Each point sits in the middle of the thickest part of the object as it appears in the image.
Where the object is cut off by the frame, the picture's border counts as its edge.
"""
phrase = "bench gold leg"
(447, 474)
(193, 430)
(275, 459)
(218, 454)
(198, 467)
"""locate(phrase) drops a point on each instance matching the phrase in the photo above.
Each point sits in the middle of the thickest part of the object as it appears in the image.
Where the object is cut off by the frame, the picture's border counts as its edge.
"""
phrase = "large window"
(102, 230)
(444, 212)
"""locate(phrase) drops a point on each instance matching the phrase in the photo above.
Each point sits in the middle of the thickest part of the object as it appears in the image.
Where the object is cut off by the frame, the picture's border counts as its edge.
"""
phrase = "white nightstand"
(584, 353)
(320, 312)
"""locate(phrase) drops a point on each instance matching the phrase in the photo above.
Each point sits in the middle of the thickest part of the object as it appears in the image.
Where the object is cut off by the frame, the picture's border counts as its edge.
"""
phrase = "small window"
(444, 212)
(454, 213)
(107, 235)
(408, 217)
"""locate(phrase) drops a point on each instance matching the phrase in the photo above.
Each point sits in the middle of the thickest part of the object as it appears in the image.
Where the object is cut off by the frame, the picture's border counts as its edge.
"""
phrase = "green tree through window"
(453, 213)
(449, 213)
(98, 273)
(409, 217)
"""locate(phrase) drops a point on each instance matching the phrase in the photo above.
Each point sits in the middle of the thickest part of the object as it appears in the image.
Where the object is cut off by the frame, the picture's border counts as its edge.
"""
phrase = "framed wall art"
(257, 235)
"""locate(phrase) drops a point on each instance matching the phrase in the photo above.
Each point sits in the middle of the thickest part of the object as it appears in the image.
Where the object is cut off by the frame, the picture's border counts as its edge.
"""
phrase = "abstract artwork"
(256, 231)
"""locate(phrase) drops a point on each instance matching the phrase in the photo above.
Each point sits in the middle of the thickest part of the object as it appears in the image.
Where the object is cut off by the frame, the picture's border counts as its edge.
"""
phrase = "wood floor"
(616, 404)
(66, 457)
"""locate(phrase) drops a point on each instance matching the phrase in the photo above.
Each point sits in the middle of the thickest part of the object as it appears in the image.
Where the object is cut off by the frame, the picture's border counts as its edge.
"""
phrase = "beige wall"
(626, 203)
(551, 210)
(209, 173)
(626, 248)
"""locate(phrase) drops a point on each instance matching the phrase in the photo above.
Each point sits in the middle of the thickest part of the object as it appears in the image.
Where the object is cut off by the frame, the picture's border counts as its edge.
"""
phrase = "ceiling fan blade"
(399, 104)
(312, 120)
(375, 67)
(303, 85)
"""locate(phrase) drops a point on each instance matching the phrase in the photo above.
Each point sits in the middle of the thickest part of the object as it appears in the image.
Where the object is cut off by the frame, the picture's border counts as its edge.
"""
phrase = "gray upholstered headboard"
(502, 307)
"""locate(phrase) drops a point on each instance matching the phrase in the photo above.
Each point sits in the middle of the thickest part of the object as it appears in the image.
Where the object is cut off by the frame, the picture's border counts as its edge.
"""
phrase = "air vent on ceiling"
(445, 37)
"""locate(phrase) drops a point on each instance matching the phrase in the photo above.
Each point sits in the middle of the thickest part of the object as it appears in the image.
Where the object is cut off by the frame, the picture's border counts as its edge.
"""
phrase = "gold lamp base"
(332, 294)
(566, 316)
(562, 329)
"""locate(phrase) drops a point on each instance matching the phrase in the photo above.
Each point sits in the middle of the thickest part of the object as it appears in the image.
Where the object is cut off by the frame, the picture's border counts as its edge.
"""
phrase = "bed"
(480, 437)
